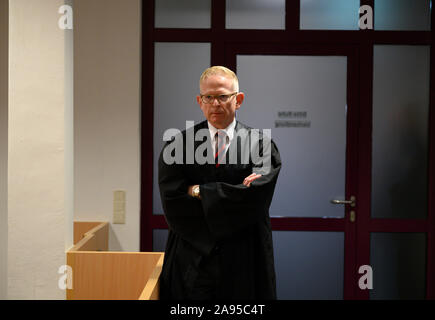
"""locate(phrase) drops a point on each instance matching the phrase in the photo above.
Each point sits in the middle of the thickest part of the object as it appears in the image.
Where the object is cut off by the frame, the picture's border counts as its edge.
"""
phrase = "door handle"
(352, 201)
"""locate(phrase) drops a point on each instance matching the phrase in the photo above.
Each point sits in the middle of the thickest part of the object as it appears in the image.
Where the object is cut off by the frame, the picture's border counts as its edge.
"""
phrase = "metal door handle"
(352, 201)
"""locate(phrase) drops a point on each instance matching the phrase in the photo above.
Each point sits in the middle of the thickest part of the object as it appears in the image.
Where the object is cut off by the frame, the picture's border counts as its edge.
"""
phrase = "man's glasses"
(207, 98)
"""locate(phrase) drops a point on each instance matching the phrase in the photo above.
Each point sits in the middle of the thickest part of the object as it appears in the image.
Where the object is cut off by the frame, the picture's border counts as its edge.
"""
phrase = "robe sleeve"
(230, 208)
(183, 213)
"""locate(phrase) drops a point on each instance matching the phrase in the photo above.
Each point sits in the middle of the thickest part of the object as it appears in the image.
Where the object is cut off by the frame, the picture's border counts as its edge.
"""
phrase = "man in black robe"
(220, 241)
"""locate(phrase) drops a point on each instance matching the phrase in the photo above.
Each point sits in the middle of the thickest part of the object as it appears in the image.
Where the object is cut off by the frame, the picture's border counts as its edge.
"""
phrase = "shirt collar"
(228, 130)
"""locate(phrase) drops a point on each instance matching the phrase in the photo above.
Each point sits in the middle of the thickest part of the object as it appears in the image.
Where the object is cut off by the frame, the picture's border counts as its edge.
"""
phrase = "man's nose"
(216, 102)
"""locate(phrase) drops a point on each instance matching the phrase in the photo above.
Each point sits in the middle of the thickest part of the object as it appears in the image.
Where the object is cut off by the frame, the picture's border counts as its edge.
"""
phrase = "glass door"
(304, 97)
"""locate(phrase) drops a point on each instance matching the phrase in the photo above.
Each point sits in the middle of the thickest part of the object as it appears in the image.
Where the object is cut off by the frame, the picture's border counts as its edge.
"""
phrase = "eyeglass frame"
(217, 97)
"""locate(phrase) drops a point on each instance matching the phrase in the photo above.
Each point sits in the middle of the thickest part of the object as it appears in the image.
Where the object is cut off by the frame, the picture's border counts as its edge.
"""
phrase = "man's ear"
(198, 100)
(239, 99)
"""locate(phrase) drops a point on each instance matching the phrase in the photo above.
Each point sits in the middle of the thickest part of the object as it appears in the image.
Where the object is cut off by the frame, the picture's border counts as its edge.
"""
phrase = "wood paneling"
(111, 275)
(80, 228)
(98, 274)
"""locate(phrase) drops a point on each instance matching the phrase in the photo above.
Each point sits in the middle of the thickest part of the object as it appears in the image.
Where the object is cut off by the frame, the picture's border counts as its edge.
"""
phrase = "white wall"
(107, 134)
(69, 134)
(3, 146)
(107, 114)
(39, 229)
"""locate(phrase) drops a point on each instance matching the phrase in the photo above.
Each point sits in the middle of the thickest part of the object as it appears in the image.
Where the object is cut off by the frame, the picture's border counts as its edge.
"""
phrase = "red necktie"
(221, 140)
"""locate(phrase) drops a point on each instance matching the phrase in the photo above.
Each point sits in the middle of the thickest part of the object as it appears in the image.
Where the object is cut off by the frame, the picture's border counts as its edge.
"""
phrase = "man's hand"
(246, 182)
(189, 191)
(250, 178)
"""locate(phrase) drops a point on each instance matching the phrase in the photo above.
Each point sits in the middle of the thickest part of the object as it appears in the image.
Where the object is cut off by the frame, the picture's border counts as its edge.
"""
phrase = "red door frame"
(364, 40)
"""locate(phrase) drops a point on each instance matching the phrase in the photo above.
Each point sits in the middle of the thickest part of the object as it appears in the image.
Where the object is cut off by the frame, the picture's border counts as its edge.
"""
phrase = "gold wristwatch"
(195, 192)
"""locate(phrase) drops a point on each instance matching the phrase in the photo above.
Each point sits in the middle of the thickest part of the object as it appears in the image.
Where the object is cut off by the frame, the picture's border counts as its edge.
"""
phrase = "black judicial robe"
(230, 216)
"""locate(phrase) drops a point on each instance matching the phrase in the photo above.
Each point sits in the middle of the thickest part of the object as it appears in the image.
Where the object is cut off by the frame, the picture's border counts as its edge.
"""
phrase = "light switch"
(119, 207)
(119, 196)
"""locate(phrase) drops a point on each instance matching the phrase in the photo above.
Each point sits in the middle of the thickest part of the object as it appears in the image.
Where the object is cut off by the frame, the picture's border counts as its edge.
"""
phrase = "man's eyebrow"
(220, 94)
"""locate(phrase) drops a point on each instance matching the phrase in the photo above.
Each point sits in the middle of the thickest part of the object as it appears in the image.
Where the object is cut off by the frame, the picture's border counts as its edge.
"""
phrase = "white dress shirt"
(228, 130)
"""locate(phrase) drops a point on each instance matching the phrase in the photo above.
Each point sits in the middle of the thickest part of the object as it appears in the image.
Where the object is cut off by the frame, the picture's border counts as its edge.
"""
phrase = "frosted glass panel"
(303, 101)
(398, 261)
(309, 265)
(330, 14)
(402, 14)
(400, 131)
(255, 14)
(182, 14)
(177, 69)
(159, 239)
